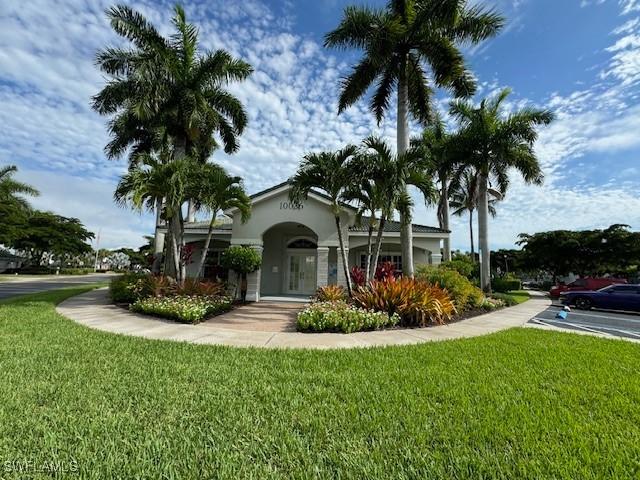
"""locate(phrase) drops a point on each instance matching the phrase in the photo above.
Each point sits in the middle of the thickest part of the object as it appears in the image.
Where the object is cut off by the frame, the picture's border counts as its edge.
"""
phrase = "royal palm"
(409, 47)
(494, 143)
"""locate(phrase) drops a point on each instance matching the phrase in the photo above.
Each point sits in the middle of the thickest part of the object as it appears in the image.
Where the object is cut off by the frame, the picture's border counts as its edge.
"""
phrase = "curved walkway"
(94, 310)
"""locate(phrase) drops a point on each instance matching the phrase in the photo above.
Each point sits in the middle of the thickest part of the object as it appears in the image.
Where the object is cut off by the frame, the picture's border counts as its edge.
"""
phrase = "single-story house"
(299, 243)
(9, 261)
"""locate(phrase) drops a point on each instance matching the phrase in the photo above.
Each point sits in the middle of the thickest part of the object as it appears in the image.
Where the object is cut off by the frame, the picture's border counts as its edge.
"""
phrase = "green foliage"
(241, 259)
(183, 308)
(518, 404)
(463, 265)
(506, 284)
(75, 271)
(339, 316)
(587, 253)
(512, 298)
(417, 302)
(48, 233)
(130, 287)
(330, 293)
(464, 294)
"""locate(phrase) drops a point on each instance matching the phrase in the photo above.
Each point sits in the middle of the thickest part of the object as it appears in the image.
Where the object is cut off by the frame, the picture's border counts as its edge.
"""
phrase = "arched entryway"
(289, 260)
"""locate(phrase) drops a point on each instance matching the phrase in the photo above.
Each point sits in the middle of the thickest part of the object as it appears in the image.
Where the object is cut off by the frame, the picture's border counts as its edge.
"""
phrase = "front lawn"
(523, 403)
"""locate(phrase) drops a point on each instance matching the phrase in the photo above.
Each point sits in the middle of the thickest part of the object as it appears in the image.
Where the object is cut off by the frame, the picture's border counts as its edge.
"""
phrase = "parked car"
(613, 297)
(582, 284)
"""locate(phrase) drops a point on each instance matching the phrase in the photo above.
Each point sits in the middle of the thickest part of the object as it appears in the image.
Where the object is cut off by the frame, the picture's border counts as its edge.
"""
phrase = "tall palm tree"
(494, 143)
(463, 198)
(11, 190)
(216, 190)
(391, 174)
(434, 143)
(164, 84)
(401, 43)
(331, 173)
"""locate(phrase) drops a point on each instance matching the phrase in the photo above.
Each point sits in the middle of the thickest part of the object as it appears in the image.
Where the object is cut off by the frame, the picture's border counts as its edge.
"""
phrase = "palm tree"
(331, 173)
(153, 178)
(494, 143)
(464, 198)
(11, 190)
(400, 42)
(164, 87)
(434, 143)
(390, 175)
(216, 190)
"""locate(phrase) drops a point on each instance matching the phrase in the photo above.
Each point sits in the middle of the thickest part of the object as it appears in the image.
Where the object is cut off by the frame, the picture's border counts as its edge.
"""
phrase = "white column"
(322, 267)
(436, 259)
(253, 280)
(341, 278)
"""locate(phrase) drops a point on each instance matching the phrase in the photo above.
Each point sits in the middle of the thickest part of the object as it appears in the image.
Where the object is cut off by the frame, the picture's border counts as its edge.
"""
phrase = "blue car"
(613, 297)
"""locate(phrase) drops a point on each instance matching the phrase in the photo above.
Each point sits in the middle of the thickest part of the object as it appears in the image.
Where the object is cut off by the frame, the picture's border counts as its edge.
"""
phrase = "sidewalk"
(93, 309)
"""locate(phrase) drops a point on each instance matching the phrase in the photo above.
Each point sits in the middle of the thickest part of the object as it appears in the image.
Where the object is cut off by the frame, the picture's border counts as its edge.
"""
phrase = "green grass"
(522, 403)
(520, 296)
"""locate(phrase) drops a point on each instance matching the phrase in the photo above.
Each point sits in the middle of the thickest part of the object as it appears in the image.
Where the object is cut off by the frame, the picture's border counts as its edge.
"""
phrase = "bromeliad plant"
(418, 303)
(330, 293)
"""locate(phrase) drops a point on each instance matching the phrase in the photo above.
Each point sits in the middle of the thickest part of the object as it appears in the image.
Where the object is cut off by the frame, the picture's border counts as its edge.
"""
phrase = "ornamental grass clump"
(183, 308)
(418, 303)
(340, 316)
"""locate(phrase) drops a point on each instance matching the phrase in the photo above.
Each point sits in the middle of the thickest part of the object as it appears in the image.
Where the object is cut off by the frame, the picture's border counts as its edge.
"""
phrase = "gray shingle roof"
(205, 226)
(392, 226)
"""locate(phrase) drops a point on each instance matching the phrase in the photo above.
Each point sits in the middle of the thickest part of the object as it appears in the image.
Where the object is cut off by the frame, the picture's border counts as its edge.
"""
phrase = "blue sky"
(580, 58)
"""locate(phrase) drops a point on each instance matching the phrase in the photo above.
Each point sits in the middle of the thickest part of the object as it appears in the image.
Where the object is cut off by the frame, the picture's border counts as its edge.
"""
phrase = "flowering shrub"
(418, 303)
(183, 308)
(340, 316)
(330, 293)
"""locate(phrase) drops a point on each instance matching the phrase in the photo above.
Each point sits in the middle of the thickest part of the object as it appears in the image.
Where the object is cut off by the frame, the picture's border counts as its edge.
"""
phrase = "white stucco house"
(299, 243)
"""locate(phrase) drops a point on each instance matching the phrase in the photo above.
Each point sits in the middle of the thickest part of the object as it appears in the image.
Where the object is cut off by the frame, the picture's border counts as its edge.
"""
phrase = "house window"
(394, 258)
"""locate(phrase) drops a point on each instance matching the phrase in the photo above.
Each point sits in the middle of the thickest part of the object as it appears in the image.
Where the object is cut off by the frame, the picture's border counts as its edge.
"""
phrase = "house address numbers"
(291, 206)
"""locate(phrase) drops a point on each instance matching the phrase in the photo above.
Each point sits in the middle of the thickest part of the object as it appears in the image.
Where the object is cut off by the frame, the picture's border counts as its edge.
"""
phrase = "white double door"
(300, 278)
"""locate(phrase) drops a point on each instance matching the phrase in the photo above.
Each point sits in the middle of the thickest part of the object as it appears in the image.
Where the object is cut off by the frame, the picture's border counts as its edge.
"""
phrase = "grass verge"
(522, 403)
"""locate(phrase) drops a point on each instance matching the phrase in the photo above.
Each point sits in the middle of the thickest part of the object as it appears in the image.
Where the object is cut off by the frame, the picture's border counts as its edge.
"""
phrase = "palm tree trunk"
(205, 250)
(473, 253)
(444, 199)
(483, 234)
(376, 254)
(369, 252)
(345, 261)
(158, 240)
(174, 270)
(406, 232)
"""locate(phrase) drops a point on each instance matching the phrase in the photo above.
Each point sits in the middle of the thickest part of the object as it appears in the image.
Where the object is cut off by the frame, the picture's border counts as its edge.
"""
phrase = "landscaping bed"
(435, 297)
(522, 403)
(191, 302)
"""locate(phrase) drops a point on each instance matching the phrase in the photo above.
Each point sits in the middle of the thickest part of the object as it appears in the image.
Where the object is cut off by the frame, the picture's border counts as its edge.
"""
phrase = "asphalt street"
(616, 324)
(21, 286)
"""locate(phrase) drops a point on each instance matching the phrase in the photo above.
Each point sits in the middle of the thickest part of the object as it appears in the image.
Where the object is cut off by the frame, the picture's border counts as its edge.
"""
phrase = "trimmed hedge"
(342, 317)
(128, 288)
(505, 285)
(183, 308)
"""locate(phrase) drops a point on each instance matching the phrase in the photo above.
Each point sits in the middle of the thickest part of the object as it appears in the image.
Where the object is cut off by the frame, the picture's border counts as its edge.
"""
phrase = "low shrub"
(330, 293)
(465, 295)
(129, 287)
(506, 284)
(490, 304)
(183, 308)
(417, 302)
(194, 286)
(339, 316)
(463, 265)
(75, 271)
(508, 300)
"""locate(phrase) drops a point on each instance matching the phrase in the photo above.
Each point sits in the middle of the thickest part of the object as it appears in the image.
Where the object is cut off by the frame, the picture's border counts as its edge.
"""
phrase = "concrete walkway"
(94, 310)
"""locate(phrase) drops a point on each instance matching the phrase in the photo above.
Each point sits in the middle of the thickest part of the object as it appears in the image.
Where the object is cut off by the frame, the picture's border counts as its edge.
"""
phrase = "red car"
(584, 284)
